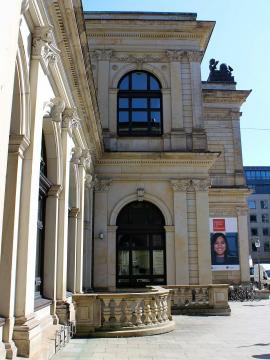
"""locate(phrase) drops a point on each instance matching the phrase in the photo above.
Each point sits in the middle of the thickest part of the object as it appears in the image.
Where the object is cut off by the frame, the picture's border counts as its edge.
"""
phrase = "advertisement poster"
(224, 244)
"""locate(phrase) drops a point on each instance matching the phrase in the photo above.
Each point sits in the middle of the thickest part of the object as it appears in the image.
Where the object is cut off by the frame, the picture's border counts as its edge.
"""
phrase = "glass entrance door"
(140, 259)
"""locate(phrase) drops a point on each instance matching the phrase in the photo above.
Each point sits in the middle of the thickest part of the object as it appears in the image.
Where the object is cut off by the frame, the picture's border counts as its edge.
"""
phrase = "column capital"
(73, 212)
(201, 185)
(242, 211)
(76, 154)
(89, 181)
(70, 119)
(55, 190)
(104, 54)
(194, 56)
(102, 185)
(18, 144)
(180, 185)
(42, 46)
(54, 109)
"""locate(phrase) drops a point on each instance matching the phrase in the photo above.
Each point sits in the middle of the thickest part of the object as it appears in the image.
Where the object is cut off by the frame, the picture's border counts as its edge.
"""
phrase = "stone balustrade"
(145, 312)
(199, 300)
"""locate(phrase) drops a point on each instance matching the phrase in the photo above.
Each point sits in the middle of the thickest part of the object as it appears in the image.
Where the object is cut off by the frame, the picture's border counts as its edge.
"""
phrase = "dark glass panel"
(155, 117)
(157, 241)
(123, 262)
(140, 241)
(139, 103)
(123, 116)
(139, 116)
(140, 262)
(158, 262)
(139, 81)
(123, 242)
(124, 84)
(154, 85)
(123, 103)
(155, 103)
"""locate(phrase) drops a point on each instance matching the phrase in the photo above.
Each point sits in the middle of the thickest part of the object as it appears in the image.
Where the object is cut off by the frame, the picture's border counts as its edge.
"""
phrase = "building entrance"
(141, 258)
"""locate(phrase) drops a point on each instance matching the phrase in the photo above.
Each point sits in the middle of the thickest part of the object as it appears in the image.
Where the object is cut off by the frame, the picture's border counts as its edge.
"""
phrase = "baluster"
(117, 311)
(128, 313)
(205, 295)
(165, 308)
(106, 311)
(154, 310)
(138, 313)
(147, 312)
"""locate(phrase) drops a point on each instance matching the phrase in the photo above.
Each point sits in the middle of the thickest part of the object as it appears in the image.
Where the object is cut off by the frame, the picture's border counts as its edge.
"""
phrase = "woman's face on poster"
(220, 246)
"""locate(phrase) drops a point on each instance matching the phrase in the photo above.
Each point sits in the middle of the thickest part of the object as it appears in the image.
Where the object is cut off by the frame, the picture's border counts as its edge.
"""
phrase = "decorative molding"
(201, 184)
(102, 185)
(178, 55)
(140, 194)
(54, 109)
(55, 190)
(43, 47)
(73, 212)
(139, 60)
(104, 54)
(181, 185)
(70, 118)
(18, 144)
(89, 181)
(86, 159)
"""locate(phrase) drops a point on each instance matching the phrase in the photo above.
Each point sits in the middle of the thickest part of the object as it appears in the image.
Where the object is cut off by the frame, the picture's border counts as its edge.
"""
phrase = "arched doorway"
(141, 258)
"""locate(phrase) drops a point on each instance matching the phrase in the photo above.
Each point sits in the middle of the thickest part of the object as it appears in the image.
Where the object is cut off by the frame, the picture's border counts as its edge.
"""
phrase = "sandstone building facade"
(111, 167)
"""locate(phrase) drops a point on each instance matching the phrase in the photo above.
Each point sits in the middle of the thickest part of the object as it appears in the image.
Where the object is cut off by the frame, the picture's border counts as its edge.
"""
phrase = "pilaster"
(242, 213)
(170, 254)
(72, 245)
(101, 189)
(201, 187)
(181, 231)
(111, 257)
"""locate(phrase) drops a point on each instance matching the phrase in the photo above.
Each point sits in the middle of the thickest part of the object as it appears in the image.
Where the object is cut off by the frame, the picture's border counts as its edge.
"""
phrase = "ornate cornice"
(179, 55)
(102, 185)
(43, 47)
(225, 96)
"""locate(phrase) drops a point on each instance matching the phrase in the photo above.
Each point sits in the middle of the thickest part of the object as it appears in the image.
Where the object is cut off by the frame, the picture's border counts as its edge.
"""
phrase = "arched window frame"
(134, 103)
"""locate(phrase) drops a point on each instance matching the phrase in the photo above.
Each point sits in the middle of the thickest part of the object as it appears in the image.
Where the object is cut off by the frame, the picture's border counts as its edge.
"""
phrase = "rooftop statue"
(224, 74)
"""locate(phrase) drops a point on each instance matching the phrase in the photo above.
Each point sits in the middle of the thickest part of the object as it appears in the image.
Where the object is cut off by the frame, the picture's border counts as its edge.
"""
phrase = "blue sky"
(240, 39)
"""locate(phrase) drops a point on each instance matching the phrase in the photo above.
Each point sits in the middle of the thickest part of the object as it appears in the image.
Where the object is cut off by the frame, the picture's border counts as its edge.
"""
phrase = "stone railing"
(124, 314)
(199, 300)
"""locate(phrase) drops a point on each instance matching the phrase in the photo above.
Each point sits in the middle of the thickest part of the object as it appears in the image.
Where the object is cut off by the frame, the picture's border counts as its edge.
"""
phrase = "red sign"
(218, 224)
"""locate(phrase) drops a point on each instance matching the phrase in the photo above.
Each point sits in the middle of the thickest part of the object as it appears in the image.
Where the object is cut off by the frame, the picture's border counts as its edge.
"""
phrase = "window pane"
(139, 116)
(155, 117)
(139, 103)
(140, 262)
(123, 102)
(265, 218)
(264, 204)
(155, 103)
(266, 246)
(158, 262)
(154, 85)
(253, 218)
(123, 116)
(252, 204)
(139, 81)
(124, 83)
(123, 262)
(265, 231)
(254, 231)
(157, 241)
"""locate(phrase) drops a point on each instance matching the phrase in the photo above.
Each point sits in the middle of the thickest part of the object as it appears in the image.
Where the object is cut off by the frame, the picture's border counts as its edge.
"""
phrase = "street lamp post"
(258, 244)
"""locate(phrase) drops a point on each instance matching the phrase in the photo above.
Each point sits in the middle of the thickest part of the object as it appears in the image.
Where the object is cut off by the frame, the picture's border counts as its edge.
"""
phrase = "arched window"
(139, 105)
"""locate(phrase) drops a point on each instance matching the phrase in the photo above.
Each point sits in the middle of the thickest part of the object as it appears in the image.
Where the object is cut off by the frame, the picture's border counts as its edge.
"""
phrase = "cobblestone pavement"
(243, 335)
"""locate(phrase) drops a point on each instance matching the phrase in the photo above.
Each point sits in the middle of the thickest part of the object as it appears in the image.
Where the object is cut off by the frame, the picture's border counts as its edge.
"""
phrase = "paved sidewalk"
(243, 335)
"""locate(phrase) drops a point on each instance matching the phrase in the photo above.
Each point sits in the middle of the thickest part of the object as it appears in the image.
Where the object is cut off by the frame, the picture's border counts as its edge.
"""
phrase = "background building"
(258, 180)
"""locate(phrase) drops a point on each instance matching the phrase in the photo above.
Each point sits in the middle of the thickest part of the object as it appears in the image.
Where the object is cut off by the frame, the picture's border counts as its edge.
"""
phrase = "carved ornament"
(201, 184)
(43, 47)
(104, 54)
(76, 155)
(181, 185)
(70, 119)
(54, 109)
(102, 185)
(140, 194)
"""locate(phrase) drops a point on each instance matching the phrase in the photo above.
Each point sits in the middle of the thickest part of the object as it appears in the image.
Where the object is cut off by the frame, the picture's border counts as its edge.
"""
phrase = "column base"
(65, 311)
(27, 335)
(10, 350)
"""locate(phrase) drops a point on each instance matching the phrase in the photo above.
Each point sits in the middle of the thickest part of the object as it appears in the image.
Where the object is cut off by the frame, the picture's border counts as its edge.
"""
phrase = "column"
(26, 324)
(101, 243)
(72, 244)
(242, 213)
(181, 231)
(237, 149)
(69, 122)
(50, 246)
(80, 226)
(9, 25)
(88, 234)
(111, 257)
(201, 187)
(103, 57)
(170, 254)
(8, 261)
